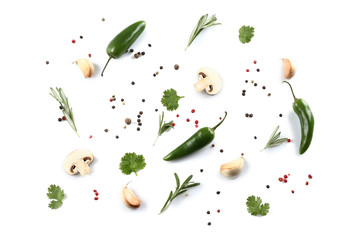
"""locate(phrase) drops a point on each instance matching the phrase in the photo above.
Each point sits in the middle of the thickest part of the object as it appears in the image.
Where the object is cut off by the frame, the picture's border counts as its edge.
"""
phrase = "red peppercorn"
(63, 118)
(255, 61)
(307, 183)
(96, 198)
(177, 115)
(196, 126)
(192, 111)
(173, 124)
(90, 136)
(292, 191)
(220, 118)
(288, 174)
(89, 55)
(310, 177)
(288, 140)
(280, 179)
(196, 122)
(285, 176)
(242, 154)
(285, 180)
(188, 120)
(111, 99)
(95, 190)
(73, 41)
(97, 194)
(247, 70)
(218, 210)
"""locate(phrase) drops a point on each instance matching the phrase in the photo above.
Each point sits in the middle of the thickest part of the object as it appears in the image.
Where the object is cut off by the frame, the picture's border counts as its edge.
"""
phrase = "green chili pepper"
(306, 117)
(123, 41)
(197, 141)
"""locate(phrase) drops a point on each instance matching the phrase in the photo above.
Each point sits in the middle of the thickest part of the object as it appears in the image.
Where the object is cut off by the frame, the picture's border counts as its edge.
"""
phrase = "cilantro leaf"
(56, 193)
(170, 99)
(131, 162)
(246, 33)
(255, 207)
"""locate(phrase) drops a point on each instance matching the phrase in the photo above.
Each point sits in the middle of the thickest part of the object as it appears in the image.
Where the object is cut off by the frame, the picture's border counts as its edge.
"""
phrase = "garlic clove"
(85, 66)
(232, 168)
(289, 68)
(129, 198)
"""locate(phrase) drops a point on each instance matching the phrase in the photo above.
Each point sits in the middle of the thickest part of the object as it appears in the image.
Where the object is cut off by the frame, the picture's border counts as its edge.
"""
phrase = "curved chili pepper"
(200, 139)
(123, 41)
(306, 117)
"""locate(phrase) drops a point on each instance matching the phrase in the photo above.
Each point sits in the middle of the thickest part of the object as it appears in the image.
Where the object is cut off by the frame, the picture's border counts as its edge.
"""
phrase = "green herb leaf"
(163, 126)
(255, 207)
(274, 140)
(178, 190)
(131, 162)
(56, 193)
(170, 99)
(203, 23)
(64, 103)
(246, 33)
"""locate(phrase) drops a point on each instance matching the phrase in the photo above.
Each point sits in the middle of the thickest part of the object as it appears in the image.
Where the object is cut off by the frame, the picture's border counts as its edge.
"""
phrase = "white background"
(322, 39)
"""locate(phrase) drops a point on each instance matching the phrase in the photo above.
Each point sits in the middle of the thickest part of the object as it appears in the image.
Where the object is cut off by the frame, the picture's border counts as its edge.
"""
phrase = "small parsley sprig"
(170, 99)
(203, 23)
(131, 162)
(255, 207)
(246, 33)
(274, 140)
(178, 190)
(56, 193)
(64, 103)
(163, 126)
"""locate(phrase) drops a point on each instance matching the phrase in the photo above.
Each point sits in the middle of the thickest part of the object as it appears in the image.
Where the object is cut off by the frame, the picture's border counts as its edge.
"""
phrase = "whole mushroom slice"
(209, 80)
(78, 161)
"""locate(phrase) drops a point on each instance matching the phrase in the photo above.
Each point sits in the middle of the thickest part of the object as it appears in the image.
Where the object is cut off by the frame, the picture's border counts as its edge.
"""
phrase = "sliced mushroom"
(209, 80)
(78, 161)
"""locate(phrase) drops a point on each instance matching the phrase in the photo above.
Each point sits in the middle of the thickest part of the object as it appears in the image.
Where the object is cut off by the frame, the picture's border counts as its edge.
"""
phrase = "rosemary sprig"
(179, 190)
(274, 140)
(204, 22)
(163, 126)
(64, 103)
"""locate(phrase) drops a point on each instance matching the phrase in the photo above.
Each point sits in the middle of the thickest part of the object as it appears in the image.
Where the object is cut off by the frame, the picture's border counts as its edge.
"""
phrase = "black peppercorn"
(161, 67)
(255, 137)
(113, 107)
(212, 145)
(59, 119)
(176, 66)
(255, 84)
(221, 150)
(61, 107)
(132, 83)
(131, 50)
(81, 37)
(141, 113)
(106, 130)
(243, 94)
(143, 100)
(122, 99)
(218, 192)
(209, 223)
(246, 81)
(143, 53)
(117, 136)
(156, 110)
(208, 212)
(47, 62)
(269, 94)
(280, 115)
(246, 115)
(139, 116)
(251, 115)
(140, 124)
(138, 129)
(264, 87)
(267, 186)
(201, 170)
(138, 120)
(258, 70)
(136, 55)
(149, 45)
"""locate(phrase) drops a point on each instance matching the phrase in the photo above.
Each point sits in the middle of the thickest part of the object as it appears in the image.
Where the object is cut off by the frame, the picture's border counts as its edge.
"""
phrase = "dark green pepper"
(197, 141)
(306, 117)
(123, 41)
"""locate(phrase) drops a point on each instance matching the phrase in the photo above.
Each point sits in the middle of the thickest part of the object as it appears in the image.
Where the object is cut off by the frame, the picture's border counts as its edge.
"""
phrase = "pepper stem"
(220, 122)
(291, 90)
(106, 65)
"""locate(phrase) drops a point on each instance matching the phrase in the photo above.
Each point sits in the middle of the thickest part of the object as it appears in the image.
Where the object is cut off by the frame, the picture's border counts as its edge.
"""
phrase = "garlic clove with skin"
(232, 168)
(129, 198)
(289, 68)
(85, 66)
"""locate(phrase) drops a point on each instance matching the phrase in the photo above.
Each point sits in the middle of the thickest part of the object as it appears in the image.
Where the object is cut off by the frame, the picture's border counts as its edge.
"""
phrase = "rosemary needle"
(59, 95)
(274, 140)
(163, 126)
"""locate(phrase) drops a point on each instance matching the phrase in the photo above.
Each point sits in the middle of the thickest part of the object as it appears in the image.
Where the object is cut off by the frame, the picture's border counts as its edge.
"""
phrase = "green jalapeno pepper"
(306, 117)
(197, 141)
(123, 41)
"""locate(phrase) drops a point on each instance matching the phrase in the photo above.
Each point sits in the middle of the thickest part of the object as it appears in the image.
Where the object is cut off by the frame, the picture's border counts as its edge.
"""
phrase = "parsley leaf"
(131, 162)
(55, 192)
(246, 33)
(255, 207)
(170, 99)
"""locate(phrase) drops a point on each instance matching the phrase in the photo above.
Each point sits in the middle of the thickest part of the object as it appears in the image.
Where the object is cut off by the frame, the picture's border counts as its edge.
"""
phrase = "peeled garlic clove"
(233, 168)
(129, 198)
(289, 68)
(85, 66)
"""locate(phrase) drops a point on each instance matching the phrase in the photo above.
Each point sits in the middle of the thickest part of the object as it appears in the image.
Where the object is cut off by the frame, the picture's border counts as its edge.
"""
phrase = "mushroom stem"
(202, 84)
(82, 167)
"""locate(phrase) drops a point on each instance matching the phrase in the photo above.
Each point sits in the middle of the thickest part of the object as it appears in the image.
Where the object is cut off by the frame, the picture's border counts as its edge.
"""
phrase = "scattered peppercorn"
(111, 100)
(307, 183)
(89, 55)
(96, 198)
(177, 115)
(243, 94)
(212, 145)
(113, 107)
(246, 81)
(246, 115)
(132, 83)
(61, 107)
(209, 223)
(154, 75)
(123, 103)
(196, 126)
(131, 50)
(138, 120)
(136, 55)
(47, 62)
(255, 137)
(193, 110)
(97, 194)
(161, 67)
(285, 180)
(247, 70)
(139, 116)
(255, 84)
(59, 119)
(218, 192)
(288, 140)
(252, 81)
(255, 61)
(143, 100)
(188, 120)
(280, 115)
(156, 110)
(267, 186)
(106, 130)
(122, 99)
(103, 19)
(196, 121)
(141, 112)
(269, 94)
(201, 170)
(64, 118)
(143, 53)
(310, 176)
(221, 150)
(176, 66)
(73, 41)
(90, 136)
(138, 129)
(95, 190)
(285, 176)
(173, 124)
(292, 191)
(81, 37)
(218, 210)
(117, 137)
(263, 87)
(280, 179)
(139, 124)
(258, 70)
(149, 45)
(251, 115)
